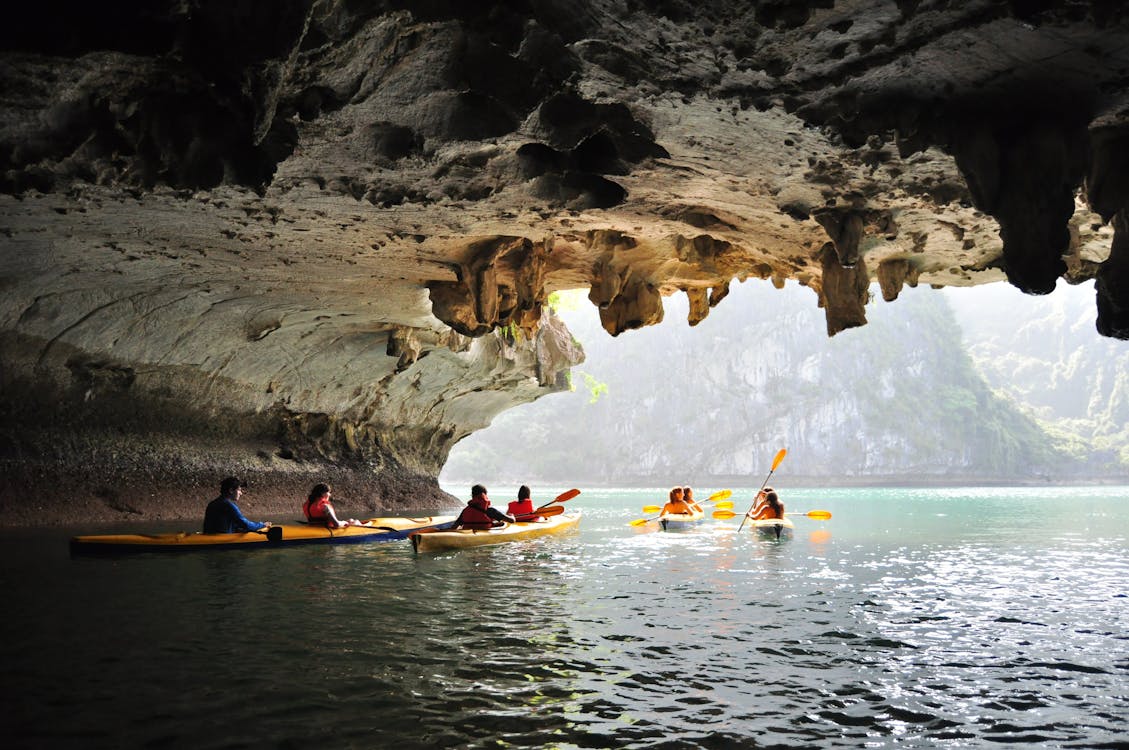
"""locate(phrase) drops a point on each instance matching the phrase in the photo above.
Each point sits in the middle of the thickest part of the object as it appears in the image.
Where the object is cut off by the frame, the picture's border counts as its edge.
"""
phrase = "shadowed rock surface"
(315, 240)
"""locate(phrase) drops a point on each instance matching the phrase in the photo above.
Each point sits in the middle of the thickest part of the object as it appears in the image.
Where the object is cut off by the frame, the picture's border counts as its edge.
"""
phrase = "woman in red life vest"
(523, 506)
(478, 514)
(319, 509)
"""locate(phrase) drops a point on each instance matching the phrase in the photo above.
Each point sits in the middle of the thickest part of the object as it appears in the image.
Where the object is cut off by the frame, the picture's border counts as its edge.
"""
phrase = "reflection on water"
(913, 618)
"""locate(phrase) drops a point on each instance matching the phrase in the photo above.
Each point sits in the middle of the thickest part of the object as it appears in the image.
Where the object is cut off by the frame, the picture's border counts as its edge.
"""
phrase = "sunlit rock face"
(293, 238)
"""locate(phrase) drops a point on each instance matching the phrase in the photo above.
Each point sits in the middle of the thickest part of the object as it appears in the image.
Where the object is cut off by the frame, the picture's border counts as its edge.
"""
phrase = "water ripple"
(924, 629)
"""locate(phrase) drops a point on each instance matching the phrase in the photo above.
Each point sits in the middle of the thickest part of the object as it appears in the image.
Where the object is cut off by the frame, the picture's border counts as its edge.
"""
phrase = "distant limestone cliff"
(898, 401)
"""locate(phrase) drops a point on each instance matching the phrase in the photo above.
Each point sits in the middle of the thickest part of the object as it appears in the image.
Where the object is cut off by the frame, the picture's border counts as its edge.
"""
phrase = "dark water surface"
(915, 618)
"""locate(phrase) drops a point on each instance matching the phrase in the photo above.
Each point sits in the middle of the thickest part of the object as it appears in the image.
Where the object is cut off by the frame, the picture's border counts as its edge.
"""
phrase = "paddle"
(561, 498)
(819, 515)
(548, 509)
(543, 512)
(775, 462)
(723, 505)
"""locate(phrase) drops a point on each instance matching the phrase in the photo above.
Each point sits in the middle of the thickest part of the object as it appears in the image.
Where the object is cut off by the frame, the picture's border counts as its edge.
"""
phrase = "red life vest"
(316, 512)
(474, 515)
(520, 507)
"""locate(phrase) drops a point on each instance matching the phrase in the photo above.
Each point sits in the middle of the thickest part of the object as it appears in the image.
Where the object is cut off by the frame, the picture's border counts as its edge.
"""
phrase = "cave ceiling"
(305, 201)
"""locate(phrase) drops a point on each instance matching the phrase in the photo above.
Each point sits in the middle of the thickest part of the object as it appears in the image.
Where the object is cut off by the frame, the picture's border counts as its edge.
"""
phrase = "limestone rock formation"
(308, 236)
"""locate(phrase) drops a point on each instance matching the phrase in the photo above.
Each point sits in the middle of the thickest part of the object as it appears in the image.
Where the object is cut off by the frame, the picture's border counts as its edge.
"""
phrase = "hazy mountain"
(1045, 354)
(899, 400)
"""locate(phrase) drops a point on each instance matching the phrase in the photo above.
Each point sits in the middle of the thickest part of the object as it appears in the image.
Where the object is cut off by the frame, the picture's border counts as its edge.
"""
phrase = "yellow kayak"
(433, 541)
(677, 521)
(279, 535)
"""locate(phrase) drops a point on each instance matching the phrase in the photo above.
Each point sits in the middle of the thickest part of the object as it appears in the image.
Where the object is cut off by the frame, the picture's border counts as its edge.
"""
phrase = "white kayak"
(680, 521)
(773, 528)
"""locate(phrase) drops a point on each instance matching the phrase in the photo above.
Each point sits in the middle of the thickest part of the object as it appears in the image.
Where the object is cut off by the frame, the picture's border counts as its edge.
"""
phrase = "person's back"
(217, 516)
(478, 514)
(523, 506)
(770, 508)
(676, 505)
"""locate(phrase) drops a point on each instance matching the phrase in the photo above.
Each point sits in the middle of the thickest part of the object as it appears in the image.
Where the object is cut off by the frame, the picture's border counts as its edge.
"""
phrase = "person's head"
(687, 493)
(676, 493)
(478, 497)
(319, 491)
(523, 493)
(231, 486)
(772, 498)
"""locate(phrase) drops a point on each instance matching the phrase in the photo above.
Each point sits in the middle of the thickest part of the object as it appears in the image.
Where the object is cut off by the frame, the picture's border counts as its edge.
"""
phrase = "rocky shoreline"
(97, 481)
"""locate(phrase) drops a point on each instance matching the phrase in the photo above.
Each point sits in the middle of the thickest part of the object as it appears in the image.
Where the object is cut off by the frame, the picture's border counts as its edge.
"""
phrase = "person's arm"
(238, 519)
(332, 516)
(498, 515)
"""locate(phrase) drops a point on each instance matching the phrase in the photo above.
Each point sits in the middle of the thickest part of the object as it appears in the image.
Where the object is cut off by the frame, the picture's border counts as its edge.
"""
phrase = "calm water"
(914, 618)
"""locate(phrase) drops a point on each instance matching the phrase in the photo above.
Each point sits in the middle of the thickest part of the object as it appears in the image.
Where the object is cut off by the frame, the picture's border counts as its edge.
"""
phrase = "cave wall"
(321, 236)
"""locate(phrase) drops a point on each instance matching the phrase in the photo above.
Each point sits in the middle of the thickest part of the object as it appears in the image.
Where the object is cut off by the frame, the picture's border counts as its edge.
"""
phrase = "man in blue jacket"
(223, 515)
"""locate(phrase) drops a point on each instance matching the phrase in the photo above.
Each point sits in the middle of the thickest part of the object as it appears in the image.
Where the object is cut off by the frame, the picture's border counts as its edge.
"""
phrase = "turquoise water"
(913, 618)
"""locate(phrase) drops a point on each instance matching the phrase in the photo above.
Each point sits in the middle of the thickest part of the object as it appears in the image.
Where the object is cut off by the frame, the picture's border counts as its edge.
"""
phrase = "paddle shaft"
(775, 462)
(819, 515)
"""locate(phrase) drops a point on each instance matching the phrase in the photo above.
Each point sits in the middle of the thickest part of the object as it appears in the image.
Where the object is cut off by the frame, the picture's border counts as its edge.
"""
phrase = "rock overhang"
(351, 219)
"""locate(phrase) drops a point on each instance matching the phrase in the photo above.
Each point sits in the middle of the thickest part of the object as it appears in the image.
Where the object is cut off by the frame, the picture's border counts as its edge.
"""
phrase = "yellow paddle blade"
(779, 457)
(720, 495)
(723, 514)
(819, 515)
(651, 509)
(640, 521)
(725, 505)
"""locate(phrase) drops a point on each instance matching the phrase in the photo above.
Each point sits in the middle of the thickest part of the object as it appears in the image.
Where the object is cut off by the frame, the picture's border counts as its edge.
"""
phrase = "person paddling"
(319, 509)
(688, 498)
(523, 506)
(222, 516)
(478, 514)
(768, 505)
(676, 505)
